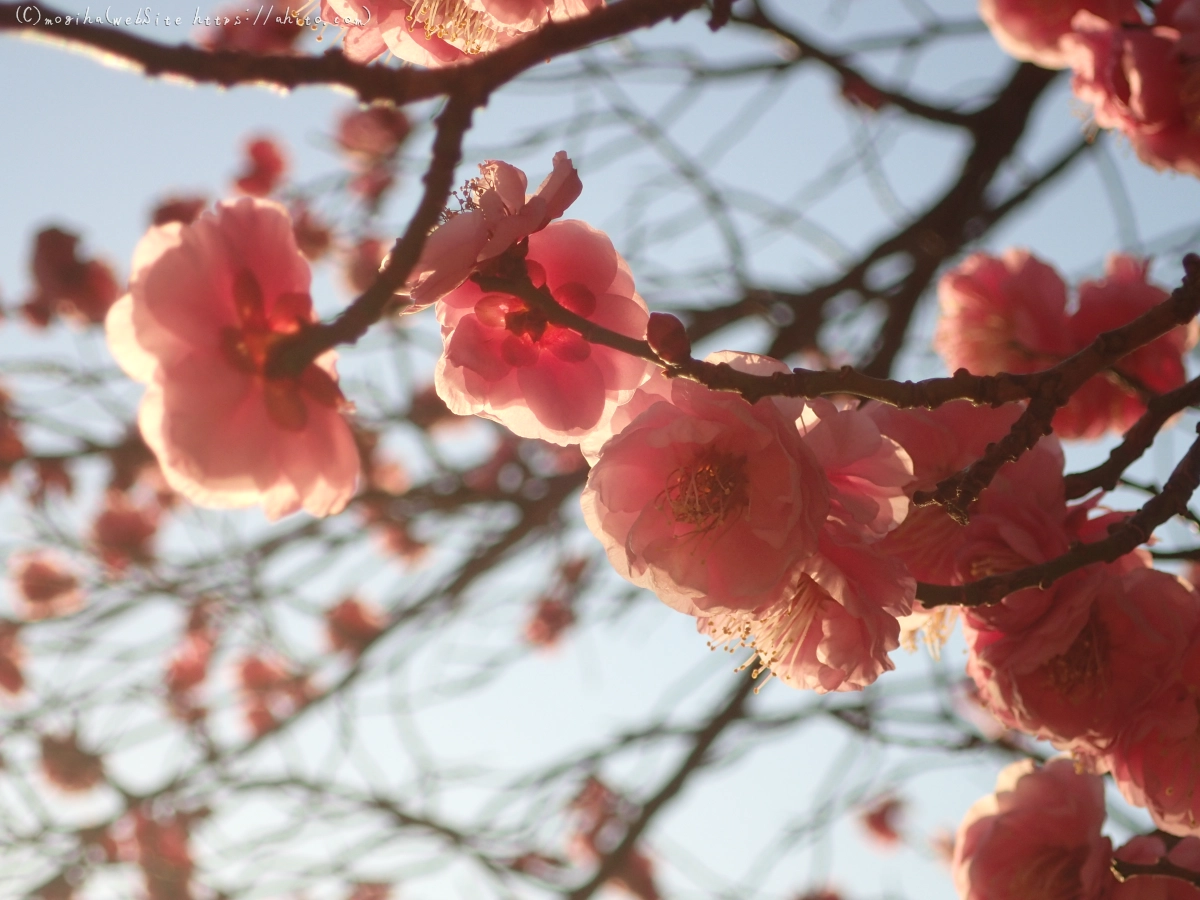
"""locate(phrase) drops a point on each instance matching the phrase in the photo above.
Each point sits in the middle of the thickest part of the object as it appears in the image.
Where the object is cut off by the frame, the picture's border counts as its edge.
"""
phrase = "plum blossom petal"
(505, 361)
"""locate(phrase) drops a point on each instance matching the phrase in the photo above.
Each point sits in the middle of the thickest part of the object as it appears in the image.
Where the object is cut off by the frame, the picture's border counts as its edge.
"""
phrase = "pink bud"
(668, 339)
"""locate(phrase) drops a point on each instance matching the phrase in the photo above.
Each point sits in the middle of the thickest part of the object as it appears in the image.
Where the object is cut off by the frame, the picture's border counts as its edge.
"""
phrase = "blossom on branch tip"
(437, 33)
(495, 215)
(504, 360)
(206, 304)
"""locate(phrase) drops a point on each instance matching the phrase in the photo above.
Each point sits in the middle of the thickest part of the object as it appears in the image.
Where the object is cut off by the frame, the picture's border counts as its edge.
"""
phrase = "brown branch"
(704, 738)
(1137, 440)
(1056, 385)
(1122, 538)
(1123, 871)
(228, 68)
(289, 357)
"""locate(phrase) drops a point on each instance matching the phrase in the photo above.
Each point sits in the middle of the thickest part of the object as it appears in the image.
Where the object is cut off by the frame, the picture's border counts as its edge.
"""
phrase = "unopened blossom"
(1032, 30)
(1087, 678)
(708, 501)
(313, 237)
(496, 214)
(353, 624)
(45, 587)
(881, 820)
(65, 284)
(1142, 82)
(1148, 850)
(207, 303)
(551, 618)
(1036, 838)
(264, 169)
(504, 360)
(68, 766)
(438, 33)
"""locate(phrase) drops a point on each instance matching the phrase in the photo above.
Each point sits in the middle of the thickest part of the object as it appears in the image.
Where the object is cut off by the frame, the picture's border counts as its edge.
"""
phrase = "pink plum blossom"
(1032, 30)
(207, 301)
(1141, 81)
(708, 501)
(1105, 403)
(1036, 838)
(496, 214)
(503, 360)
(1086, 679)
(437, 33)
(1156, 759)
(1009, 315)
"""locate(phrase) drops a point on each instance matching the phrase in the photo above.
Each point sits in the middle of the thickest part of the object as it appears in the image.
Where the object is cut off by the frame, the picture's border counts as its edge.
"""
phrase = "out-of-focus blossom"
(353, 624)
(12, 659)
(65, 284)
(274, 35)
(45, 587)
(271, 690)
(1142, 82)
(123, 531)
(551, 617)
(361, 264)
(184, 210)
(881, 820)
(372, 134)
(313, 237)
(67, 765)
(207, 303)
(504, 360)
(1032, 30)
(1036, 838)
(12, 448)
(161, 844)
(264, 169)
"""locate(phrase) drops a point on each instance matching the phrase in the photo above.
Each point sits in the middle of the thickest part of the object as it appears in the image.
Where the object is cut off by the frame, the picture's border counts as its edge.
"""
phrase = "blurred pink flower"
(503, 360)
(1143, 82)
(353, 624)
(45, 587)
(265, 167)
(1032, 30)
(1037, 838)
(206, 304)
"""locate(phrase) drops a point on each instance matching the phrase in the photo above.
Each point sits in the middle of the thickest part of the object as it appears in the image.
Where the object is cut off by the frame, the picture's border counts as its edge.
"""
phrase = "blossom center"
(470, 30)
(709, 491)
(1084, 662)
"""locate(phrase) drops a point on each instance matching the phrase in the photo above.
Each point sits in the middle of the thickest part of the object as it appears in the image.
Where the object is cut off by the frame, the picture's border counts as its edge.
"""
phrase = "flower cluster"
(1138, 76)
(1009, 314)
